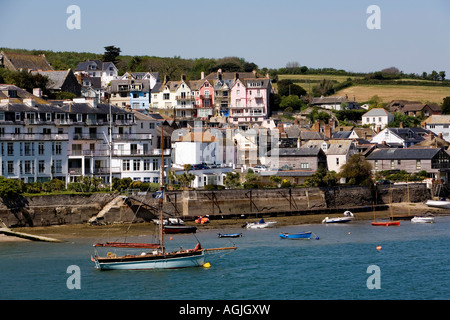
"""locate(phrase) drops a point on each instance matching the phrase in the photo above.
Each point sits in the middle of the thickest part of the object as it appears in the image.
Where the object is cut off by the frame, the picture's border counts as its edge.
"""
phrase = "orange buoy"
(171, 238)
(379, 248)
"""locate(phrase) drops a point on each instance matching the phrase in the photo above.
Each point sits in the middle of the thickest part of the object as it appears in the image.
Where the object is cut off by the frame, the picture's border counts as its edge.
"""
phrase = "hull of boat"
(260, 225)
(151, 262)
(337, 220)
(230, 235)
(385, 223)
(300, 235)
(179, 229)
(438, 204)
(422, 220)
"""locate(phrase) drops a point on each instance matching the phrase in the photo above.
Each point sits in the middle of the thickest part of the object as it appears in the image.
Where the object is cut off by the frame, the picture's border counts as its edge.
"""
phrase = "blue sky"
(414, 35)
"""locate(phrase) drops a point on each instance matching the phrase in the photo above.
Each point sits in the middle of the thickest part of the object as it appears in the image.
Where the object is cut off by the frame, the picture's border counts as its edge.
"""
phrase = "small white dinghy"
(348, 216)
(261, 224)
(427, 218)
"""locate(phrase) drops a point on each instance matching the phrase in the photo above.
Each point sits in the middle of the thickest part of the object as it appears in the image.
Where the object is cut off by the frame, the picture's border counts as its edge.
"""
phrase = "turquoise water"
(413, 263)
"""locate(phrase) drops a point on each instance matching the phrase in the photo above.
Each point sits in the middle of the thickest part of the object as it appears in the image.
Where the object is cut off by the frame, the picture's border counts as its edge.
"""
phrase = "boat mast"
(161, 199)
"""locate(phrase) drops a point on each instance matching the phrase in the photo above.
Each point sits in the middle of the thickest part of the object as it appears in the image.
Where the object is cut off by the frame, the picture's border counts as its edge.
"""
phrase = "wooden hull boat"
(385, 223)
(179, 229)
(154, 260)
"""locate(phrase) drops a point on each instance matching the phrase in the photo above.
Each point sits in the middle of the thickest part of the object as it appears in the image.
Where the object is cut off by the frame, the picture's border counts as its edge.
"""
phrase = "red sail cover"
(128, 245)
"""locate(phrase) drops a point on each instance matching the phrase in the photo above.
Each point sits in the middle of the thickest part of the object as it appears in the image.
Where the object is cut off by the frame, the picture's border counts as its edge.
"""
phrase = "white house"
(400, 137)
(438, 124)
(107, 71)
(377, 118)
(334, 103)
(34, 141)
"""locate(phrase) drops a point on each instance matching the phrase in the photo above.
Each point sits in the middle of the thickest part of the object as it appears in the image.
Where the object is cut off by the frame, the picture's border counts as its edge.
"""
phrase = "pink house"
(204, 98)
(249, 100)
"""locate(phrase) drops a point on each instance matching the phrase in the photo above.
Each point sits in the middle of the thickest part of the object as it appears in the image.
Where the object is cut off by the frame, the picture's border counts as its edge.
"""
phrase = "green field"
(387, 93)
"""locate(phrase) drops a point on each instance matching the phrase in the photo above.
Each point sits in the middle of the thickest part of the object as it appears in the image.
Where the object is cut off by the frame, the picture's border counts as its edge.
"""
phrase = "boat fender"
(317, 238)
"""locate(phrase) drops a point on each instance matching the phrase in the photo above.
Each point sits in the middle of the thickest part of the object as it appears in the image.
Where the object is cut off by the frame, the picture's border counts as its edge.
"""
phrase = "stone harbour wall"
(79, 209)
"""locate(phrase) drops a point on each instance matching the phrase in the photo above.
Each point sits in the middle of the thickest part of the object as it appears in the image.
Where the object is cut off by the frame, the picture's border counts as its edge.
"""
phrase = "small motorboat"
(348, 216)
(443, 204)
(259, 225)
(230, 235)
(299, 235)
(427, 218)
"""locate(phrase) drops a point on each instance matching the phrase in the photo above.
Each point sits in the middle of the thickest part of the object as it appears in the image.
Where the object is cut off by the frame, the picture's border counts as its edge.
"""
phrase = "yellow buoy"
(207, 265)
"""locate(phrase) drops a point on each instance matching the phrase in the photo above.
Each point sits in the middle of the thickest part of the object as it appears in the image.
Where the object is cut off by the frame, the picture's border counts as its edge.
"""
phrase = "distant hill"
(173, 67)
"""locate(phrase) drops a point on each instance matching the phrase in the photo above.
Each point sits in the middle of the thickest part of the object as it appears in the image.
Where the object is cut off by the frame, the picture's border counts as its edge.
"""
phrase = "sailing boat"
(386, 223)
(156, 256)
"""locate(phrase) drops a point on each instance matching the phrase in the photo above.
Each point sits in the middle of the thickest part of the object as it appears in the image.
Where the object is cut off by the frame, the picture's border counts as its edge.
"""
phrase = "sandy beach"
(67, 232)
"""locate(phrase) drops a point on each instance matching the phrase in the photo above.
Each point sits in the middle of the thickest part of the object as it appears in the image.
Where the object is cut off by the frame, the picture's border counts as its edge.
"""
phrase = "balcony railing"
(118, 153)
(185, 98)
(34, 136)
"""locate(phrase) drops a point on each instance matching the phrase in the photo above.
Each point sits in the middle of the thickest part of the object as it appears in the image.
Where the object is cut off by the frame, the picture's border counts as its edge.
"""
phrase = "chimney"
(280, 128)
(236, 76)
(327, 130)
(316, 126)
(254, 73)
(299, 142)
(202, 75)
(29, 102)
(183, 77)
(166, 79)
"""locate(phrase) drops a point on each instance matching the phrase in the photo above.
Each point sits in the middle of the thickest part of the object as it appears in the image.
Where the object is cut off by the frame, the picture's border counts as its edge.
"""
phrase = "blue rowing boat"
(299, 235)
(230, 235)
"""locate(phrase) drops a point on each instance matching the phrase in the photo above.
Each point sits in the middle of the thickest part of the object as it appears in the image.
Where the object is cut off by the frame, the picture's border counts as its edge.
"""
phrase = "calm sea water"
(413, 263)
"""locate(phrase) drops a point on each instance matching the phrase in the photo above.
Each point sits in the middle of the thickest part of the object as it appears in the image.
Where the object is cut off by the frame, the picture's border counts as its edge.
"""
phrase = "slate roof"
(297, 152)
(56, 78)
(87, 108)
(26, 61)
(376, 112)
(403, 154)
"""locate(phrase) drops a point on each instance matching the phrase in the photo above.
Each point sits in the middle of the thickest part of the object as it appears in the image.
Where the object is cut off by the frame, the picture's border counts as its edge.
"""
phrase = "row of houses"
(42, 140)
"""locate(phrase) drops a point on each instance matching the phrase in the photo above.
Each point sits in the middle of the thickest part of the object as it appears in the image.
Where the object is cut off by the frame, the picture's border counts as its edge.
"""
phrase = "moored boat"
(170, 229)
(348, 216)
(443, 204)
(298, 235)
(230, 235)
(385, 223)
(261, 224)
(427, 218)
(153, 255)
